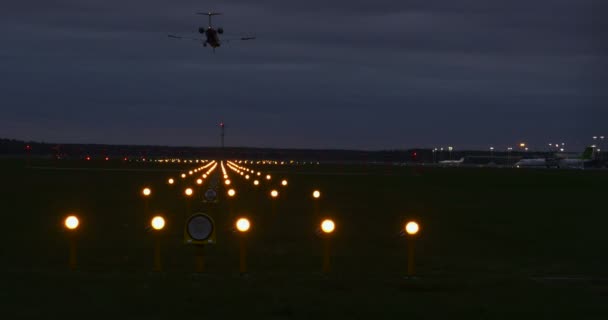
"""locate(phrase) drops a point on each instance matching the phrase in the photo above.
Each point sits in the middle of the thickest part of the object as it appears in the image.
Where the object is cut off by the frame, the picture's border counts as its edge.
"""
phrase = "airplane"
(452, 162)
(584, 160)
(212, 35)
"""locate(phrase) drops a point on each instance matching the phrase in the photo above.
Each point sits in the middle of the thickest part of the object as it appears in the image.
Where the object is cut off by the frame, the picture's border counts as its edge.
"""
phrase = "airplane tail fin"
(588, 153)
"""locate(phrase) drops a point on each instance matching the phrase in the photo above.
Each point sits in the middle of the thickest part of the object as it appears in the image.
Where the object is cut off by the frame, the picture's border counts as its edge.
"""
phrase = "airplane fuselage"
(212, 37)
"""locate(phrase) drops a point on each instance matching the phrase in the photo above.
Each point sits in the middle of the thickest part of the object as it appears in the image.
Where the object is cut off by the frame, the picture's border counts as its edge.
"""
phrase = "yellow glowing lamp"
(231, 193)
(274, 193)
(259, 173)
(256, 182)
(284, 183)
(316, 194)
(71, 222)
(268, 177)
(190, 172)
(171, 181)
(146, 192)
(188, 192)
(205, 176)
(157, 223)
(199, 181)
(247, 177)
(183, 175)
(243, 225)
(412, 228)
(328, 226)
(227, 182)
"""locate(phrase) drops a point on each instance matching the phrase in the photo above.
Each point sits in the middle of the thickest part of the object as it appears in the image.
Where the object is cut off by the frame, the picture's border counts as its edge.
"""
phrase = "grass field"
(494, 243)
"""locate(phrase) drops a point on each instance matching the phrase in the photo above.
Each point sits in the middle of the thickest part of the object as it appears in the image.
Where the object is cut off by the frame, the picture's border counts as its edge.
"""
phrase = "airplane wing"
(184, 38)
(238, 39)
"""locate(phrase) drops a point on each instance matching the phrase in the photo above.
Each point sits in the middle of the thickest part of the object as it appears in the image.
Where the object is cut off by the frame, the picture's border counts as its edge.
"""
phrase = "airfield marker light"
(247, 177)
(71, 223)
(146, 192)
(231, 193)
(268, 177)
(157, 223)
(411, 229)
(327, 227)
(316, 194)
(259, 173)
(227, 182)
(243, 225)
(284, 182)
(188, 192)
(183, 175)
(256, 182)
(274, 194)
(190, 172)
(205, 176)
(171, 181)
(199, 181)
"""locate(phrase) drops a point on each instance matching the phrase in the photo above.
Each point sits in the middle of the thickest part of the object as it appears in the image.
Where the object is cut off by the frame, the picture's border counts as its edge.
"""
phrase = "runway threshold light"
(412, 228)
(157, 223)
(328, 226)
(243, 225)
(71, 222)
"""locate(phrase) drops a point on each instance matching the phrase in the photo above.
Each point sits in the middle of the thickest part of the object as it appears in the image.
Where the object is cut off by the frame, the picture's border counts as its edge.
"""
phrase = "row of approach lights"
(243, 225)
(316, 194)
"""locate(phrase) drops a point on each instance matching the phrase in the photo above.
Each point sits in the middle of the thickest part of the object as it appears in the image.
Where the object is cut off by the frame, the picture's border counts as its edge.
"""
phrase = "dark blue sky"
(322, 74)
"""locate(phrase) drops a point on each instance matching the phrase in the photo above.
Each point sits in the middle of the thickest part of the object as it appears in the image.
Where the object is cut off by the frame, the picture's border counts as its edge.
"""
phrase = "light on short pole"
(157, 223)
(411, 229)
(316, 194)
(243, 225)
(71, 223)
(328, 227)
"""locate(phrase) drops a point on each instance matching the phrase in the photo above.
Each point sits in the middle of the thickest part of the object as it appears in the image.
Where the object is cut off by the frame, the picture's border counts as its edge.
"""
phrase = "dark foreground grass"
(495, 243)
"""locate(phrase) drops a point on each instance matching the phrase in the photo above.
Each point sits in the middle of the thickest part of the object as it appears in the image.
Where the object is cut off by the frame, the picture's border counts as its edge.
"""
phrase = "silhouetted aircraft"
(212, 35)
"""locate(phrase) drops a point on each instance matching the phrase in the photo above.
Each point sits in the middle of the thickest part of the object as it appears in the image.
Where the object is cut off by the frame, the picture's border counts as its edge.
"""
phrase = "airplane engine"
(220, 30)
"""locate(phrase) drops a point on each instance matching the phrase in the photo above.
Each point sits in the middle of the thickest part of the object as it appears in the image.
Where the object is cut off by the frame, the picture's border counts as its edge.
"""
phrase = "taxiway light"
(71, 222)
(243, 224)
(412, 228)
(146, 192)
(158, 223)
(328, 226)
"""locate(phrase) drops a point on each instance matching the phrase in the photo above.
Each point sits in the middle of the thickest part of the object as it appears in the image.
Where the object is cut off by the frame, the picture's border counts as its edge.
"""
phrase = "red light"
(107, 158)
(125, 159)
(28, 147)
(88, 158)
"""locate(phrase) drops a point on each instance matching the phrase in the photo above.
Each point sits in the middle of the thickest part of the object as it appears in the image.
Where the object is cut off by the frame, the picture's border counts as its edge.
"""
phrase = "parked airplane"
(452, 162)
(585, 160)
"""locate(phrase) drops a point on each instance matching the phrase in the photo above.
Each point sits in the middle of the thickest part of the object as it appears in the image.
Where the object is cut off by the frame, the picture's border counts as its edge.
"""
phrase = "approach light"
(199, 181)
(71, 222)
(247, 177)
(284, 182)
(227, 182)
(268, 177)
(412, 228)
(328, 226)
(316, 194)
(171, 181)
(146, 192)
(274, 193)
(204, 176)
(158, 223)
(188, 192)
(256, 182)
(259, 173)
(231, 193)
(183, 175)
(243, 224)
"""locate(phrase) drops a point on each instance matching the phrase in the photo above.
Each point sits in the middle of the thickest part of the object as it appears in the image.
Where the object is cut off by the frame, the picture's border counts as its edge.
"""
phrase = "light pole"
(157, 223)
(327, 227)
(71, 223)
(411, 230)
(243, 225)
